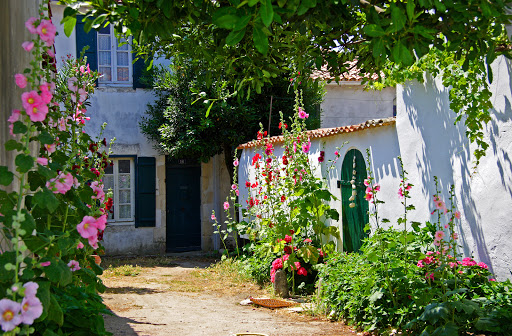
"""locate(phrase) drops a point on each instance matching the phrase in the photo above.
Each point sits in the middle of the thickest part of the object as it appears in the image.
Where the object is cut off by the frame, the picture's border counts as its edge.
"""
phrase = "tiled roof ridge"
(325, 132)
(352, 75)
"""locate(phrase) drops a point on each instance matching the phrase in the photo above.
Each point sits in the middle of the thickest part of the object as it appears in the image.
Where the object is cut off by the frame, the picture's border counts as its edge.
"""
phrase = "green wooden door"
(183, 208)
(354, 218)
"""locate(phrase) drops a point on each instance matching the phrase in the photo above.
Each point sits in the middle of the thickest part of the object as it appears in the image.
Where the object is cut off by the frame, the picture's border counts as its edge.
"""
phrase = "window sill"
(127, 223)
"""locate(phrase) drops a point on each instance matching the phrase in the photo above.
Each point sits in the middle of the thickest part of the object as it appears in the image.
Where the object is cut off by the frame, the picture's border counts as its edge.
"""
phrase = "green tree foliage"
(254, 41)
(176, 121)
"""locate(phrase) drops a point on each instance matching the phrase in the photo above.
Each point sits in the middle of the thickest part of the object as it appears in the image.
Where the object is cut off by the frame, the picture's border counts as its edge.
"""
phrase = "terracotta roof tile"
(354, 74)
(326, 132)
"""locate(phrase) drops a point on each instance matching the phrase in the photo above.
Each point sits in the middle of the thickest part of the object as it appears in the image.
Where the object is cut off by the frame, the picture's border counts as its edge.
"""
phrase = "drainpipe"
(216, 198)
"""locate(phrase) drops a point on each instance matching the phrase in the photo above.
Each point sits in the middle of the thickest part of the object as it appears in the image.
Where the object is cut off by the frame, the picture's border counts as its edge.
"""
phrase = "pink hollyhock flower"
(72, 84)
(277, 264)
(369, 189)
(302, 113)
(213, 217)
(235, 163)
(439, 235)
(20, 80)
(27, 45)
(288, 239)
(337, 153)
(9, 314)
(400, 192)
(297, 265)
(30, 25)
(457, 214)
(80, 245)
(87, 227)
(93, 241)
(38, 113)
(226, 205)
(50, 148)
(237, 192)
(74, 265)
(483, 265)
(101, 222)
(452, 264)
(302, 271)
(307, 240)
(46, 263)
(31, 309)
(15, 116)
(31, 287)
(46, 31)
(30, 99)
(46, 94)
(429, 275)
(492, 279)
(50, 53)
(376, 187)
(366, 182)
(306, 147)
(61, 184)
(455, 236)
(62, 124)
(42, 161)
(286, 257)
(233, 187)
(368, 196)
(468, 262)
(420, 263)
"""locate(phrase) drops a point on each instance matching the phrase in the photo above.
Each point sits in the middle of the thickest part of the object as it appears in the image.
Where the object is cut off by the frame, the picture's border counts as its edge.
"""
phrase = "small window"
(114, 58)
(120, 180)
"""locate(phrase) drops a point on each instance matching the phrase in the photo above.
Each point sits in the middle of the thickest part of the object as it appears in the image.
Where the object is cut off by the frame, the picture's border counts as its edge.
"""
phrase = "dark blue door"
(183, 208)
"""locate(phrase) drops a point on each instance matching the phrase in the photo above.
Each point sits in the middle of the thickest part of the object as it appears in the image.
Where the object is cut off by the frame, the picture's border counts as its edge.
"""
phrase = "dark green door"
(354, 218)
(183, 208)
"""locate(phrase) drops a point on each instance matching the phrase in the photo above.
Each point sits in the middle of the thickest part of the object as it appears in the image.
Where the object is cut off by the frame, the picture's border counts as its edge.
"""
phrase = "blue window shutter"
(86, 39)
(145, 192)
(138, 69)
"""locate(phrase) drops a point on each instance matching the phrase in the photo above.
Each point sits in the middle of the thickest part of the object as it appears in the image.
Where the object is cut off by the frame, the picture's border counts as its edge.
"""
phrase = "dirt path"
(179, 297)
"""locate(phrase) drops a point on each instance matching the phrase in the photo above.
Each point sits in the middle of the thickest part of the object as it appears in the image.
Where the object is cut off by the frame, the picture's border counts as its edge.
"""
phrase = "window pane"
(106, 74)
(104, 58)
(111, 214)
(104, 30)
(122, 58)
(124, 46)
(122, 75)
(124, 181)
(125, 211)
(124, 166)
(109, 170)
(124, 196)
(104, 42)
(108, 182)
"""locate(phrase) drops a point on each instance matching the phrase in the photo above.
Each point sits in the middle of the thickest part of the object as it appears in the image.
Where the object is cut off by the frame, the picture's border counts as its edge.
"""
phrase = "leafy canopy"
(253, 41)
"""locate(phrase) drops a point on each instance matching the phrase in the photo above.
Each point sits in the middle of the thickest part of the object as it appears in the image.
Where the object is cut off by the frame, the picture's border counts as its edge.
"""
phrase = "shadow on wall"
(444, 153)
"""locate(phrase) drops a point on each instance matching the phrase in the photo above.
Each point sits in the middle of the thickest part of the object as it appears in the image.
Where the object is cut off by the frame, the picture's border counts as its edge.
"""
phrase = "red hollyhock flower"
(283, 198)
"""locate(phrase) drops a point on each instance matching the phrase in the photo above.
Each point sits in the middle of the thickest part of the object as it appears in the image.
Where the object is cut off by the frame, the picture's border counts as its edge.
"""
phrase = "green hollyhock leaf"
(6, 176)
(19, 127)
(45, 138)
(55, 313)
(13, 145)
(35, 180)
(46, 200)
(309, 253)
(58, 272)
(24, 162)
(46, 172)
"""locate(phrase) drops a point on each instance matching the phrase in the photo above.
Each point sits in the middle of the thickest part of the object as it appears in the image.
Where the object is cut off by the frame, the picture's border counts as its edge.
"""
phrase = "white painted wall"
(348, 103)
(431, 145)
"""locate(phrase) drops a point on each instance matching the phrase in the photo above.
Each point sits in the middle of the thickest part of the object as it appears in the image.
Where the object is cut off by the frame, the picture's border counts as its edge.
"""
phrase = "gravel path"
(176, 301)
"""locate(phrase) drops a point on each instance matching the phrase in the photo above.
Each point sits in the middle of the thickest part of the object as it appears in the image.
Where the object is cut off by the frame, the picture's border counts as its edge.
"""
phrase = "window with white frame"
(120, 179)
(114, 58)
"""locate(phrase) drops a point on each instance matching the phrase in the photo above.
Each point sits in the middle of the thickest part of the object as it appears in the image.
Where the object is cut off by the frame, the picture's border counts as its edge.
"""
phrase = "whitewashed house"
(160, 205)
(424, 135)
